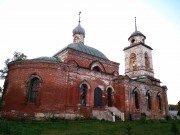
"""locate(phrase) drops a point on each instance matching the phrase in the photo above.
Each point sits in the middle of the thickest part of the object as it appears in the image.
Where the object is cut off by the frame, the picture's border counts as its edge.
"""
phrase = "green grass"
(87, 127)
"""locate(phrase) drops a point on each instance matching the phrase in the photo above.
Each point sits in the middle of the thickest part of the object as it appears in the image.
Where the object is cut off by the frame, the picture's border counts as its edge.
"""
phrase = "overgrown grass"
(88, 127)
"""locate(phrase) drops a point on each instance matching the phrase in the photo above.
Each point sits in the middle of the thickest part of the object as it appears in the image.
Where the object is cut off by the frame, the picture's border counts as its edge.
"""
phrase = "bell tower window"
(147, 65)
(132, 41)
(133, 64)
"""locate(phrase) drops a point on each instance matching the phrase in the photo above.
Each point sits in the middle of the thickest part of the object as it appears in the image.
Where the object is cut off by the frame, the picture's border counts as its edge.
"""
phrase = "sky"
(43, 27)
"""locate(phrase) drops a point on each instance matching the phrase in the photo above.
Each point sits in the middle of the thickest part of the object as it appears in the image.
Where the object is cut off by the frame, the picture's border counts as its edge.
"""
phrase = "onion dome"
(137, 33)
(79, 30)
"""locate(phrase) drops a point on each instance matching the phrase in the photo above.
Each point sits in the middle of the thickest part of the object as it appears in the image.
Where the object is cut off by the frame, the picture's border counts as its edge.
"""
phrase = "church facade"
(81, 82)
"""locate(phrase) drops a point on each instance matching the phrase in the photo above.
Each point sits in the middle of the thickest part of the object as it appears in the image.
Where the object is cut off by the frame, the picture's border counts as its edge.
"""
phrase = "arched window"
(136, 96)
(159, 101)
(147, 65)
(133, 64)
(148, 100)
(33, 89)
(96, 68)
(109, 97)
(83, 94)
(97, 97)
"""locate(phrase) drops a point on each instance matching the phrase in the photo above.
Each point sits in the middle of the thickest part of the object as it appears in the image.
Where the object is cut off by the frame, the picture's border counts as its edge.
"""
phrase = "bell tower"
(138, 56)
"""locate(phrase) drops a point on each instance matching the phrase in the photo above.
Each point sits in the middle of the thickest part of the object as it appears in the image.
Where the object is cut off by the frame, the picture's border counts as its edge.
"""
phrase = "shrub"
(128, 129)
(174, 128)
(168, 117)
(178, 113)
(143, 118)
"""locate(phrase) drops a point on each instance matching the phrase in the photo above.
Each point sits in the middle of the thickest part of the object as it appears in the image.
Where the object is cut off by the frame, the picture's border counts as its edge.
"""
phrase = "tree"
(178, 106)
(1, 89)
(18, 56)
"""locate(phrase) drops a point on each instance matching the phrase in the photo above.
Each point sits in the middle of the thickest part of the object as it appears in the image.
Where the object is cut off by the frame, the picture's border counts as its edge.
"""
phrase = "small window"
(133, 40)
(83, 94)
(96, 68)
(33, 90)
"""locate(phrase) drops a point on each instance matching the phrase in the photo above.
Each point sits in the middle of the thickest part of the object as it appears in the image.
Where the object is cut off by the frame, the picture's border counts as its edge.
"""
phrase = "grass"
(88, 127)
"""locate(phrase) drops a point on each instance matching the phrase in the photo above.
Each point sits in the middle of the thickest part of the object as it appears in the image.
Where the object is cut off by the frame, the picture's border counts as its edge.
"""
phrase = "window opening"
(33, 90)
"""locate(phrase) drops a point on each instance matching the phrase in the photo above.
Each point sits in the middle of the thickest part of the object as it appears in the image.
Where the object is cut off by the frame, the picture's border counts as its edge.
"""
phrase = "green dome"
(45, 58)
(85, 49)
(136, 33)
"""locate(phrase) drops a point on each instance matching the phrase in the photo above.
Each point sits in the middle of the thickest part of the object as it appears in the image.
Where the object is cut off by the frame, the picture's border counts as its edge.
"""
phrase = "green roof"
(45, 58)
(85, 49)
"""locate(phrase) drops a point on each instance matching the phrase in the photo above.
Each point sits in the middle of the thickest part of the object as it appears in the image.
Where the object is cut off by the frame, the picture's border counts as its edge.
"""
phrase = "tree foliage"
(1, 89)
(178, 105)
(18, 56)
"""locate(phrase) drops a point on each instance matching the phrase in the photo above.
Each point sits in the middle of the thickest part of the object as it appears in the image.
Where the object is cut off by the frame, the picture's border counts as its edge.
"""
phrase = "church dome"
(45, 58)
(79, 30)
(84, 49)
(137, 33)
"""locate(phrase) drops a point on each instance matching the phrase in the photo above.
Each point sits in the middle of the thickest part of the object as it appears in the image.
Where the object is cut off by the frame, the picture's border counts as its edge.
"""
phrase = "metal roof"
(85, 49)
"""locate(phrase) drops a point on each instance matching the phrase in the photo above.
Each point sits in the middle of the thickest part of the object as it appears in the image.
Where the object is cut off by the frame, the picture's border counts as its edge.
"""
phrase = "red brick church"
(81, 82)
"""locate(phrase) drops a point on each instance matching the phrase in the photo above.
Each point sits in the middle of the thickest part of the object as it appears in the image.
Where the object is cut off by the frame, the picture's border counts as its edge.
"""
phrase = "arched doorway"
(97, 97)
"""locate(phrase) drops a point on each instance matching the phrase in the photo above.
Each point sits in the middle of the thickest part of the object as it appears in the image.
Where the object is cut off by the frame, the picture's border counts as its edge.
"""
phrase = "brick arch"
(159, 100)
(109, 86)
(33, 84)
(110, 95)
(73, 63)
(34, 75)
(85, 82)
(97, 64)
(136, 96)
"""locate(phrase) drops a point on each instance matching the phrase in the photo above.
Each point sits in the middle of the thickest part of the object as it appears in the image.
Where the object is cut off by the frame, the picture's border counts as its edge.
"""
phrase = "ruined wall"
(142, 89)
